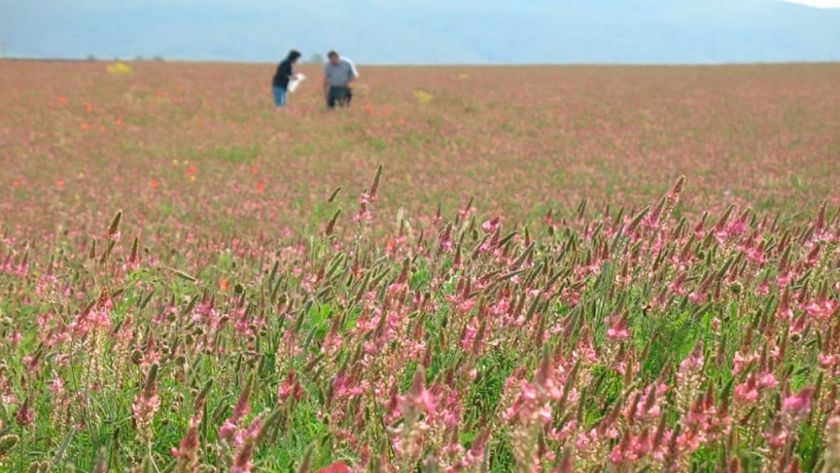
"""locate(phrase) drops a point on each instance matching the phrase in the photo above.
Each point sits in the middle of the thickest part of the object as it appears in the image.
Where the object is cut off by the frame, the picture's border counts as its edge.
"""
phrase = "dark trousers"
(339, 95)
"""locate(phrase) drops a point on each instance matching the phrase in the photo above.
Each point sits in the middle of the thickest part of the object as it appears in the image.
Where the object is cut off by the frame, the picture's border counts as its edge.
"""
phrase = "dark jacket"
(284, 72)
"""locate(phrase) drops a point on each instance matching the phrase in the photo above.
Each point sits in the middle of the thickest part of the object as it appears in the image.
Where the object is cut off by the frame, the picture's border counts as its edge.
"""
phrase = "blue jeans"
(279, 96)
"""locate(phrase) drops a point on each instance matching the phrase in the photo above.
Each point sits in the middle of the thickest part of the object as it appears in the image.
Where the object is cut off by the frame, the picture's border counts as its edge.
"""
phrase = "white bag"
(295, 82)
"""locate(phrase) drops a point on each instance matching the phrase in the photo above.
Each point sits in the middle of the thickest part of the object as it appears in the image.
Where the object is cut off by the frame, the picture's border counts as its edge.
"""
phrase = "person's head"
(333, 57)
(294, 55)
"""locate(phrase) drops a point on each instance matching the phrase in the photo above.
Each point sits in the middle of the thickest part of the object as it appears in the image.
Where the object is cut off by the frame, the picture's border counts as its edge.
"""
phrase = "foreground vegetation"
(630, 340)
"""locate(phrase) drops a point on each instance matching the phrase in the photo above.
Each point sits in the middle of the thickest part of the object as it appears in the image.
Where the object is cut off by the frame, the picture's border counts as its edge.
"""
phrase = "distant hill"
(426, 31)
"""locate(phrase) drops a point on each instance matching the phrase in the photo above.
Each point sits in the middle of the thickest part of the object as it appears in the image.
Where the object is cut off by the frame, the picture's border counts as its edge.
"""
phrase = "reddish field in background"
(200, 143)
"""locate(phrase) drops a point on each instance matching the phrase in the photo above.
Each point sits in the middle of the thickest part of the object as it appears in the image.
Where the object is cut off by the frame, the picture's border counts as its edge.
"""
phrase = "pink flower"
(469, 335)
(145, 405)
(796, 407)
(737, 227)
(56, 386)
(345, 387)
(826, 361)
(757, 256)
(619, 330)
(337, 467)
(821, 310)
(747, 391)
(491, 225)
(14, 338)
(544, 414)
(741, 361)
(642, 444)
(691, 440)
(189, 444)
(784, 279)
(289, 388)
(584, 440)
(676, 286)
(777, 439)
(694, 362)
(25, 414)
(767, 380)
(426, 401)
(228, 430)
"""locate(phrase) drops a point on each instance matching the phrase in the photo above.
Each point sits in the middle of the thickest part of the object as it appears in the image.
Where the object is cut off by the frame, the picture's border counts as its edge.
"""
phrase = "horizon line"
(443, 64)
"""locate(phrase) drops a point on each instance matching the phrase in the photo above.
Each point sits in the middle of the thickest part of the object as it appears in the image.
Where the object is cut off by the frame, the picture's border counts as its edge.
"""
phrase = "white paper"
(295, 82)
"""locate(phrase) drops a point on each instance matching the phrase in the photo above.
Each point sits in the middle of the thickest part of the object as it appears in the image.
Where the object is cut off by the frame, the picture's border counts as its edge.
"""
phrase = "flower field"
(626, 269)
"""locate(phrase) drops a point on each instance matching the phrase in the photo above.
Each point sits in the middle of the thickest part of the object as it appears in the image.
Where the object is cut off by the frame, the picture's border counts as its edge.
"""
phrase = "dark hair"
(294, 54)
(332, 54)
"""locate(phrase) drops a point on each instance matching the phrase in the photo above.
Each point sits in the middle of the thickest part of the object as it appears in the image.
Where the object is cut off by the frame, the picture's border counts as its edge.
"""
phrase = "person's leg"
(279, 97)
(331, 98)
(348, 96)
(335, 97)
(341, 96)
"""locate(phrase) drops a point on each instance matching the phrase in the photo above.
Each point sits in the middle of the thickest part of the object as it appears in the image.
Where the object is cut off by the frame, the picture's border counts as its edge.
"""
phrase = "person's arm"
(354, 74)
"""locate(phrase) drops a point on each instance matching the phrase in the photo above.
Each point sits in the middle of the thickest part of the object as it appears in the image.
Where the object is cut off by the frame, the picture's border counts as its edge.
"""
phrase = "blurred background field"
(200, 142)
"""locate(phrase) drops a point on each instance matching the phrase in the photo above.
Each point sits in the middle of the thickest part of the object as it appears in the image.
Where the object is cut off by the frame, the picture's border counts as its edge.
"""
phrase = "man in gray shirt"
(339, 75)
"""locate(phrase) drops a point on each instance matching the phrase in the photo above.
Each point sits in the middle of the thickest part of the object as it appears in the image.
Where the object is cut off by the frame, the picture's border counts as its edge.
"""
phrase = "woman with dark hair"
(284, 74)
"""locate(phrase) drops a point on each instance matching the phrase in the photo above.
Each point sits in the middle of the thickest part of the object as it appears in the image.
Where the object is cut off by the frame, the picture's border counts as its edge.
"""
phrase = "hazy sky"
(150, 3)
(450, 32)
(818, 3)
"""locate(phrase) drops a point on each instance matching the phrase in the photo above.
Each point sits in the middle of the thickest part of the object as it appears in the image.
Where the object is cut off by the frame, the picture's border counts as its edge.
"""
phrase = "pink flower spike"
(337, 467)
(796, 407)
(228, 430)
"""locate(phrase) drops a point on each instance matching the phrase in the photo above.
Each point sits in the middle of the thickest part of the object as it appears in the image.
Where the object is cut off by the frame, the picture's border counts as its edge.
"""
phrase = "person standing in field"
(284, 74)
(339, 75)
